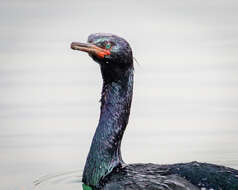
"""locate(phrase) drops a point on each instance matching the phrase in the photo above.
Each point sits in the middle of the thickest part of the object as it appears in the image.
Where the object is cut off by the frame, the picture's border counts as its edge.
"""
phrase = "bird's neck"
(105, 153)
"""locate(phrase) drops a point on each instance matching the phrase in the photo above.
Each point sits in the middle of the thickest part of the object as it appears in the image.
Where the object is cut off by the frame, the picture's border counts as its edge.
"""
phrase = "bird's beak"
(90, 48)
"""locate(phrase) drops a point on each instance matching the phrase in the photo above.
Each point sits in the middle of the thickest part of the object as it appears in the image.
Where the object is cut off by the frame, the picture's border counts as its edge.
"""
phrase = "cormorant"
(104, 168)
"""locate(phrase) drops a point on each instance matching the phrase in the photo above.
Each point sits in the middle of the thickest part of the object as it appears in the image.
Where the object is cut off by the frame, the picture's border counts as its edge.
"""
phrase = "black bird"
(104, 168)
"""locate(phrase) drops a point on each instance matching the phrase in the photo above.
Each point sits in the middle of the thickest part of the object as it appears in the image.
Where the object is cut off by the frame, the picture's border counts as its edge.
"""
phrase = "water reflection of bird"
(104, 167)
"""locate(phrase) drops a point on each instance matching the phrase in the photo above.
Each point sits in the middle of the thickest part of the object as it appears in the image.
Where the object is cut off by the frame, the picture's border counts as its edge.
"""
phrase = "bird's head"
(113, 54)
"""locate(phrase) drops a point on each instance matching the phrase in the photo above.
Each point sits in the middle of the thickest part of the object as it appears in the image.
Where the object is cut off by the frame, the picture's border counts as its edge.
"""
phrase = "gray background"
(185, 104)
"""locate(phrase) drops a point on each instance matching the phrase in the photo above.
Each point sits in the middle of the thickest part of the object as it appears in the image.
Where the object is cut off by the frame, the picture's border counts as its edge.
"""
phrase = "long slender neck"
(105, 153)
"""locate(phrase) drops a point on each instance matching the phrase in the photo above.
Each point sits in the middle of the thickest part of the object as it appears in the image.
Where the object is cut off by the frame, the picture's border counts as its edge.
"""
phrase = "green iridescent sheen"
(86, 187)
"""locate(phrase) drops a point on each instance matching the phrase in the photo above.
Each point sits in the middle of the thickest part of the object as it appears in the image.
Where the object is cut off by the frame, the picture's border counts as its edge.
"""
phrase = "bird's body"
(144, 176)
(104, 168)
(174, 176)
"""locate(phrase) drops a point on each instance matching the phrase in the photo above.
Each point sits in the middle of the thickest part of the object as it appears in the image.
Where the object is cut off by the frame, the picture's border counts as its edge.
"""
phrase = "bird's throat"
(105, 153)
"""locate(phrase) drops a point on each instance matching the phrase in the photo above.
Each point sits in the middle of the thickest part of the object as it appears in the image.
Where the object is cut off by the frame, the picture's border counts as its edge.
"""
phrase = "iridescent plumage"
(104, 168)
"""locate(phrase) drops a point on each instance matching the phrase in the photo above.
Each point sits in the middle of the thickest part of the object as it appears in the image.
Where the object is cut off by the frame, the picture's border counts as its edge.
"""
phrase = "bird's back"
(208, 176)
(144, 176)
(184, 176)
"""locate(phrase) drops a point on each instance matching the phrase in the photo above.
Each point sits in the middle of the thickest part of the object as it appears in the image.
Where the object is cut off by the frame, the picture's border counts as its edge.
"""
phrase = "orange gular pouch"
(101, 54)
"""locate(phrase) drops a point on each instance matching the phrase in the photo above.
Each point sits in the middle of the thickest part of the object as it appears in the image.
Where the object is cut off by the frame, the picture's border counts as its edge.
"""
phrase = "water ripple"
(66, 177)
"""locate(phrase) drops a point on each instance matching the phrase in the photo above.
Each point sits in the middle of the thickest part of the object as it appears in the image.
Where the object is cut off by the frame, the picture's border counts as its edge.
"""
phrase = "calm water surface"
(185, 104)
(47, 125)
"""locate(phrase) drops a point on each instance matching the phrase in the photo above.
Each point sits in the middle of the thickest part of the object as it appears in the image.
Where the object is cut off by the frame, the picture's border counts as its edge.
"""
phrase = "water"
(47, 127)
(62, 180)
(185, 104)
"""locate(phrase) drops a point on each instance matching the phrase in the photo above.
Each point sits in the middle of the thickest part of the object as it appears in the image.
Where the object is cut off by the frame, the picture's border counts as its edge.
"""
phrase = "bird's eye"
(108, 46)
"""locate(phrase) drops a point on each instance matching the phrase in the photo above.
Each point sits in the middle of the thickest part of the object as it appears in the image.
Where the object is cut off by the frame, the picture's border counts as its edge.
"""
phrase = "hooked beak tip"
(73, 46)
